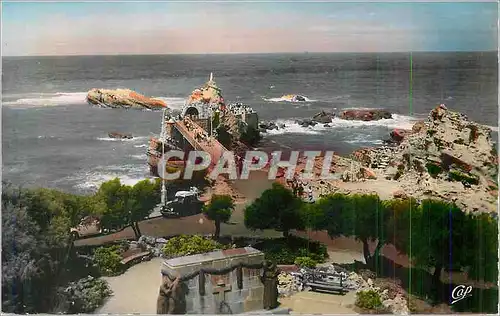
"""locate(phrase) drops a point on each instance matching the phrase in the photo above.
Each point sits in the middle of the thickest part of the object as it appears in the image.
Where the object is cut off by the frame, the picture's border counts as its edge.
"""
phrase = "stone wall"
(223, 286)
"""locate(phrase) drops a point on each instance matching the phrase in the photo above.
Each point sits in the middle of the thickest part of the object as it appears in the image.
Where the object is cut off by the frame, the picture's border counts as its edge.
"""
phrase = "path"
(320, 303)
(135, 291)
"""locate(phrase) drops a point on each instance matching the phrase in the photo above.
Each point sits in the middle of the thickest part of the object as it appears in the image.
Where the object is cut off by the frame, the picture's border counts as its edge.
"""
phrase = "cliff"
(123, 98)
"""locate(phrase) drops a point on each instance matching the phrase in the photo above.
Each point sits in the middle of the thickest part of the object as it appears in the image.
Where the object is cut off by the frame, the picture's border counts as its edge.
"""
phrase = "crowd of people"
(199, 133)
(240, 108)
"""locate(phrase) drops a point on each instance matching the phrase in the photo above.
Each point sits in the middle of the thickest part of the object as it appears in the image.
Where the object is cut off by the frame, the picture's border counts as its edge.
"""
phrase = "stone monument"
(220, 282)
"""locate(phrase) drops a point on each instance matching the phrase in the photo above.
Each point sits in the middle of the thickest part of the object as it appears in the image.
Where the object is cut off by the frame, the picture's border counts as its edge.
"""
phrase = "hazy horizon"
(196, 28)
(262, 53)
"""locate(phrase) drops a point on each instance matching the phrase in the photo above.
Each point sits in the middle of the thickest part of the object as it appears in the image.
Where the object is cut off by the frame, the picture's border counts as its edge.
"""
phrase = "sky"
(109, 28)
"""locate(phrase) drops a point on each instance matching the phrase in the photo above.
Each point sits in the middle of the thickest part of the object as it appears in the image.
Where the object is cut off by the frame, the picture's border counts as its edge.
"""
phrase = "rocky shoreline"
(325, 118)
(446, 157)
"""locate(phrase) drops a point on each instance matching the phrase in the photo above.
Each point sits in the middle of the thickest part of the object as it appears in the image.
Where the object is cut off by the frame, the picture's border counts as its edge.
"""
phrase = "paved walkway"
(320, 303)
(135, 291)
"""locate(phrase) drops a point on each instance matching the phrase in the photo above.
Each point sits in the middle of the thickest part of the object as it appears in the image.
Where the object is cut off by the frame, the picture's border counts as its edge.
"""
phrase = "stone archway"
(193, 111)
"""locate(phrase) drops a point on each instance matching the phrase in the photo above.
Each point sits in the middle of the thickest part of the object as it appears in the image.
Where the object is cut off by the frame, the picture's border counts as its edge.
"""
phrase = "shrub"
(433, 169)
(189, 245)
(286, 250)
(83, 296)
(108, 259)
(369, 299)
(251, 136)
(305, 262)
(456, 175)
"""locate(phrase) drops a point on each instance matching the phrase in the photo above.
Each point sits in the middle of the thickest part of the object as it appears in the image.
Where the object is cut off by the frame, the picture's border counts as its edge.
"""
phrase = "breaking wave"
(50, 99)
(282, 99)
(109, 139)
(291, 127)
(128, 175)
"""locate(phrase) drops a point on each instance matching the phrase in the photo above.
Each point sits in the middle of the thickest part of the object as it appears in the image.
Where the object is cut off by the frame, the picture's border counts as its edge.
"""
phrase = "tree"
(30, 258)
(126, 205)
(36, 247)
(438, 237)
(219, 210)
(114, 214)
(328, 214)
(276, 208)
(144, 196)
(399, 221)
(483, 243)
(366, 220)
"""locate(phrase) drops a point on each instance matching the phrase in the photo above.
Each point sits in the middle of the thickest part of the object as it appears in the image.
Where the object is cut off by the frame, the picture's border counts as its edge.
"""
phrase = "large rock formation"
(446, 157)
(123, 98)
(365, 114)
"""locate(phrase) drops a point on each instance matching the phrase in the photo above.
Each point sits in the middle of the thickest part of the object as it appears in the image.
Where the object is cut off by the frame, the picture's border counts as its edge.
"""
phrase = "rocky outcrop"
(323, 117)
(398, 135)
(446, 157)
(265, 126)
(365, 114)
(123, 98)
(394, 299)
(120, 135)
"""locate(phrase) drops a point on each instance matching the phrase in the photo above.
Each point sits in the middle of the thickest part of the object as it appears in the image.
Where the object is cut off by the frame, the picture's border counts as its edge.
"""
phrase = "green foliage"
(35, 240)
(327, 214)
(286, 250)
(251, 136)
(483, 240)
(189, 245)
(126, 205)
(399, 220)
(216, 120)
(224, 137)
(432, 233)
(433, 169)
(219, 210)
(276, 208)
(305, 262)
(369, 300)
(456, 175)
(109, 259)
(361, 216)
(83, 296)
(438, 234)
(368, 217)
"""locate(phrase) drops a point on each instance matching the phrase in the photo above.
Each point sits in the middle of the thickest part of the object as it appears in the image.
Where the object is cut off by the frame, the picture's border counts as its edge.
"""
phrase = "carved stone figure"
(270, 280)
(171, 298)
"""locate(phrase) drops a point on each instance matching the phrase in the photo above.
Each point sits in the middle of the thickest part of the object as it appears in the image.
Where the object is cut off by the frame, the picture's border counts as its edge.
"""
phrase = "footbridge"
(198, 138)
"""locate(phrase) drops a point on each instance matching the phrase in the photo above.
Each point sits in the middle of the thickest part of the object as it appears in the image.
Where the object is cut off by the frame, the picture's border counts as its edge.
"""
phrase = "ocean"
(53, 138)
